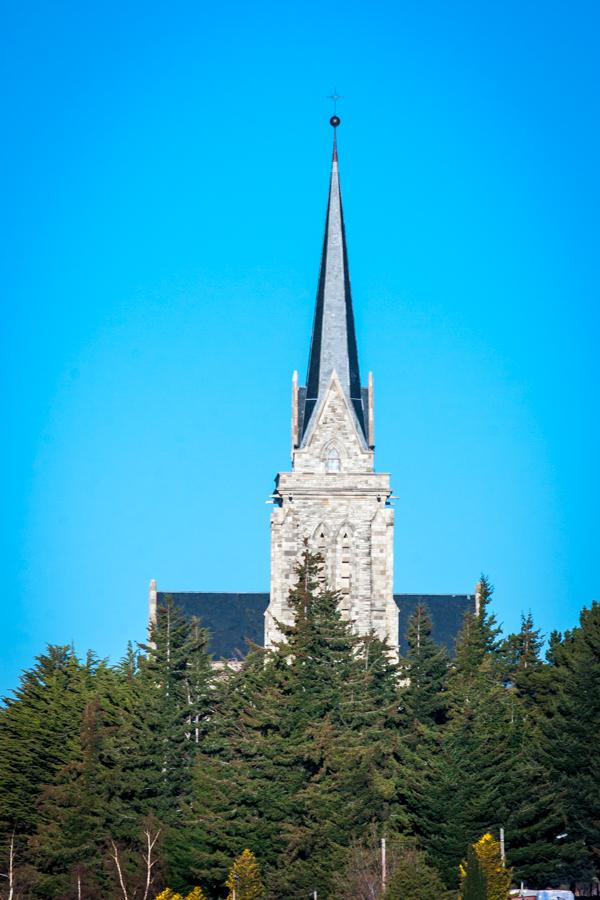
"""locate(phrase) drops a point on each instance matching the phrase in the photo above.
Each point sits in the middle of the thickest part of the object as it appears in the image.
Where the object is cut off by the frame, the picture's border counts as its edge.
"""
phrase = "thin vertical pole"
(383, 865)
(502, 853)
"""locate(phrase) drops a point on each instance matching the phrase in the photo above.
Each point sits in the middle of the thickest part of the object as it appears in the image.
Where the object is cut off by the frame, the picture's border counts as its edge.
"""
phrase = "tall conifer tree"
(555, 827)
(342, 711)
(158, 744)
(473, 777)
(311, 749)
(423, 705)
(37, 726)
(74, 815)
(424, 669)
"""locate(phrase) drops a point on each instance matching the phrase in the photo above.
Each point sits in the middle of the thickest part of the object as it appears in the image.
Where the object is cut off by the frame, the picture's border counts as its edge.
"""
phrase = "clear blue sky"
(164, 173)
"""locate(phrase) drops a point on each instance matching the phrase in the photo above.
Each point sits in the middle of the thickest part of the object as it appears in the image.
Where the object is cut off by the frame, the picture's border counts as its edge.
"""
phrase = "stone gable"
(334, 428)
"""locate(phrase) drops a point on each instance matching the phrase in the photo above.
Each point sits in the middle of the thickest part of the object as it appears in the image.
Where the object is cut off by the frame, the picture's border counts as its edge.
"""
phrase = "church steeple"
(333, 498)
(333, 344)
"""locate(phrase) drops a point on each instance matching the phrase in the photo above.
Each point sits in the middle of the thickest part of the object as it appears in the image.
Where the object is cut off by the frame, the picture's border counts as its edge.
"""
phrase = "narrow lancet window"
(333, 462)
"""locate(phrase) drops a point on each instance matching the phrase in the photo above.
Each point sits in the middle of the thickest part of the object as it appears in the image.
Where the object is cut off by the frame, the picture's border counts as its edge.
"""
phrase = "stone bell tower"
(333, 496)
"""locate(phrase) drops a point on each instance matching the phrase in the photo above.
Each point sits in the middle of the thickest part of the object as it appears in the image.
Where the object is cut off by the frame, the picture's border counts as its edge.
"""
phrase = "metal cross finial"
(335, 97)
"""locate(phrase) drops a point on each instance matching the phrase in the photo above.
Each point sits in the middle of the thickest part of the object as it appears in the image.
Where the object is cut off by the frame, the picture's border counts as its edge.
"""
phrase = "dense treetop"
(165, 773)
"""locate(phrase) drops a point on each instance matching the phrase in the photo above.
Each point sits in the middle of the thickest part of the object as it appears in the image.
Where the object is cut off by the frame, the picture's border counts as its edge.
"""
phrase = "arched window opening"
(333, 462)
(345, 567)
(321, 544)
(320, 539)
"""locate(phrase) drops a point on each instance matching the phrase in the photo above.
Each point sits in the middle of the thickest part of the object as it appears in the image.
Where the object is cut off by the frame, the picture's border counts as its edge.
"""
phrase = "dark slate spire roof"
(333, 344)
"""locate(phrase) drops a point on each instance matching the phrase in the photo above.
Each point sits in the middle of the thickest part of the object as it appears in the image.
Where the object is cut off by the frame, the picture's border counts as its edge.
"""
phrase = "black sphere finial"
(335, 121)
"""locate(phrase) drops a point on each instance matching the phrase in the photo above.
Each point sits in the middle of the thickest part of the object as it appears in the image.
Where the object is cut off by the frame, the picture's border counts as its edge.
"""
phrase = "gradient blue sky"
(165, 171)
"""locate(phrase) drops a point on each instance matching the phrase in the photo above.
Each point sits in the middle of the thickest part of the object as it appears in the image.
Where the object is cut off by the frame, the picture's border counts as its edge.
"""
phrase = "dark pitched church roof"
(447, 613)
(333, 343)
(234, 618)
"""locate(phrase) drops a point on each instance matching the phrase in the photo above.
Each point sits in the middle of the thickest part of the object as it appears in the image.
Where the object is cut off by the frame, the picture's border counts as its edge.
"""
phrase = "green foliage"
(424, 670)
(474, 778)
(423, 713)
(556, 822)
(89, 753)
(303, 752)
(160, 732)
(522, 665)
(413, 876)
(74, 812)
(37, 727)
(472, 877)
(244, 783)
(341, 710)
(478, 638)
(305, 757)
(575, 723)
(171, 701)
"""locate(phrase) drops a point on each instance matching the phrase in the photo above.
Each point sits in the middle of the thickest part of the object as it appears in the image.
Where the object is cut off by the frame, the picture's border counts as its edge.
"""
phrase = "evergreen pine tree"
(522, 650)
(163, 720)
(479, 636)
(74, 815)
(485, 877)
(521, 661)
(244, 780)
(534, 819)
(37, 727)
(413, 877)
(341, 717)
(171, 703)
(472, 877)
(423, 705)
(536, 825)
(555, 827)
(473, 776)
(576, 724)
(304, 750)
(244, 881)
(425, 669)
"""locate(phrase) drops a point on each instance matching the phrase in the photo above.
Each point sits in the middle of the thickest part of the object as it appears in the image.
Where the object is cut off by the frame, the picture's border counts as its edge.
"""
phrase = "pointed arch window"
(345, 562)
(333, 462)
(321, 544)
(321, 539)
(344, 573)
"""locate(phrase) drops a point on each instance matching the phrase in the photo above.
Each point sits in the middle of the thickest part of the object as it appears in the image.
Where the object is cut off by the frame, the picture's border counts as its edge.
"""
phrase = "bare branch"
(10, 875)
(117, 861)
(150, 863)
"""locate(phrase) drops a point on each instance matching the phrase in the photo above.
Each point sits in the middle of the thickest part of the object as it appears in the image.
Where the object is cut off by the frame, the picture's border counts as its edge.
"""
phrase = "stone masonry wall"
(335, 499)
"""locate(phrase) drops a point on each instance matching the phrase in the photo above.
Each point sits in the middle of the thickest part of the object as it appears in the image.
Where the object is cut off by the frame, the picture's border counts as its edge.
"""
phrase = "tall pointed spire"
(333, 344)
